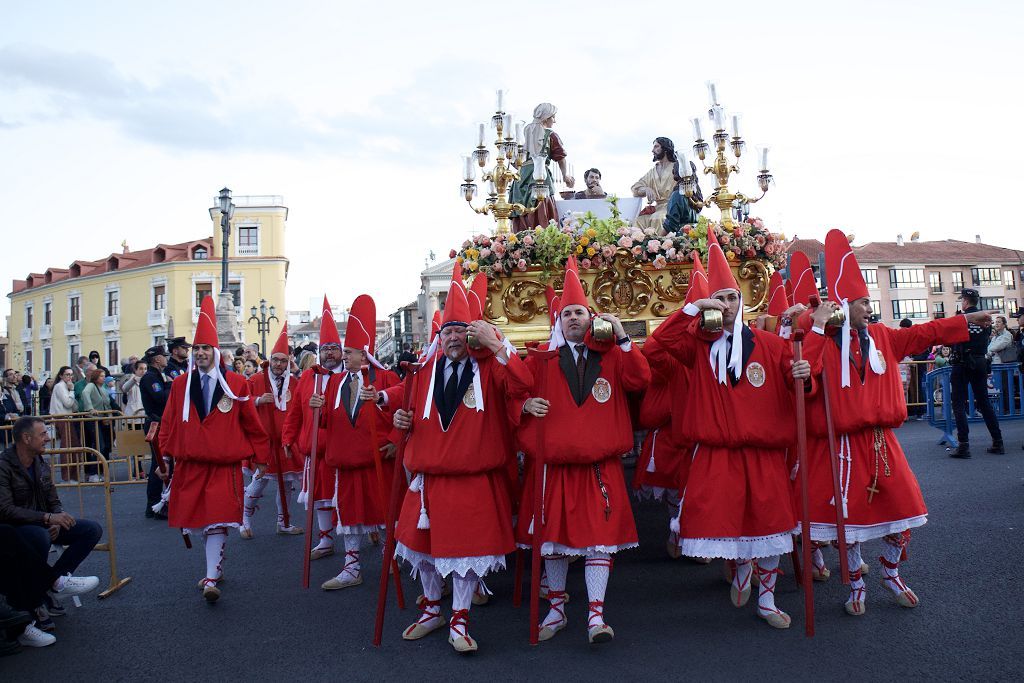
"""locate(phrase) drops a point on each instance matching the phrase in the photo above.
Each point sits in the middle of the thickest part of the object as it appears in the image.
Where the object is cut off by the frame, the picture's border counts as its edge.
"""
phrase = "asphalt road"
(672, 619)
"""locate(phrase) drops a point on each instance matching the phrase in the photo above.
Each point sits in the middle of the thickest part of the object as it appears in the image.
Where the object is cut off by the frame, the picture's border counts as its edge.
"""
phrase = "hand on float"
(794, 310)
(486, 334)
(705, 304)
(801, 369)
(402, 419)
(538, 407)
(823, 312)
(617, 327)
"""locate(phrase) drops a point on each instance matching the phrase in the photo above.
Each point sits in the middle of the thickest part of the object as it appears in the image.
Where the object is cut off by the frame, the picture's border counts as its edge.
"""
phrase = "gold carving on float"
(756, 273)
(623, 289)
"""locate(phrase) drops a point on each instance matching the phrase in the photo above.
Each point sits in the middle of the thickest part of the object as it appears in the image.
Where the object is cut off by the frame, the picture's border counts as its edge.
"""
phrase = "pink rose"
(522, 264)
(498, 267)
(659, 261)
(757, 223)
(585, 263)
(637, 250)
(485, 252)
(769, 249)
(499, 249)
(528, 240)
(637, 234)
(608, 251)
(666, 245)
(671, 252)
(625, 242)
(653, 246)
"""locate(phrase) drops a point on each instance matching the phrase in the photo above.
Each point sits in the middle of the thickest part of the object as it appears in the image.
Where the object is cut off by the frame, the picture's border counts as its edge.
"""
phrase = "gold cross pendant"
(872, 490)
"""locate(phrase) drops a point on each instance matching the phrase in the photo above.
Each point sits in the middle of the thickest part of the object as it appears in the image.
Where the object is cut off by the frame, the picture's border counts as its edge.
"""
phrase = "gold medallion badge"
(224, 404)
(755, 374)
(602, 390)
(469, 398)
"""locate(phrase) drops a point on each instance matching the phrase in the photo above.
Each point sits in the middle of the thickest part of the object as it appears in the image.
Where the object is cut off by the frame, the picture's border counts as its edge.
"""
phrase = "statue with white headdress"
(543, 146)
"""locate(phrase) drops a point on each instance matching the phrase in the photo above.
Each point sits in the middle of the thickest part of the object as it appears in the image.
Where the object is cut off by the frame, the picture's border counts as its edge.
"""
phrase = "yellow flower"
(458, 259)
(782, 236)
(471, 265)
(579, 249)
(512, 239)
(731, 255)
(591, 251)
(591, 232)
(584, 240)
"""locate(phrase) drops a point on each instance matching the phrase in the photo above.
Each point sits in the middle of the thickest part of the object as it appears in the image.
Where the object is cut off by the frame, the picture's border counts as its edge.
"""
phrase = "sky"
(122, 120)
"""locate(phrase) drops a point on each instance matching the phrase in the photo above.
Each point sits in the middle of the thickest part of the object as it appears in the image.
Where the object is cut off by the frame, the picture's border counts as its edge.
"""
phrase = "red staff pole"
(537, 538)
(392, 565)
(311, 485)
(393, 508)
(805, 521)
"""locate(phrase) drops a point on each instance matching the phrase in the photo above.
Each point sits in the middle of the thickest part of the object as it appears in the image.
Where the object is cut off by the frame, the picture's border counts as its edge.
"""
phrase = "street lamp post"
(227, 212)
(263, 322)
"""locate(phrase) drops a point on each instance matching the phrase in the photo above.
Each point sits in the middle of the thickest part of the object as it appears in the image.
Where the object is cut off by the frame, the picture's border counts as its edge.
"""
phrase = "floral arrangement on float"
(597, 241)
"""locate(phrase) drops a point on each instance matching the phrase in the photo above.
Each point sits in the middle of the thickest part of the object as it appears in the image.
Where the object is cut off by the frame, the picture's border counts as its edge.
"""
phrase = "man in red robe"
(456, 517)
(737, 502)
(360, 496)
(209, 426)
(881, 496)
(272, 392)
(577, 420)
(297, 436)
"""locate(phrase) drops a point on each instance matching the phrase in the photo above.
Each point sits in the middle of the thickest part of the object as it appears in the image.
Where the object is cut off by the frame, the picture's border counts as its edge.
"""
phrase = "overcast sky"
(121, 120)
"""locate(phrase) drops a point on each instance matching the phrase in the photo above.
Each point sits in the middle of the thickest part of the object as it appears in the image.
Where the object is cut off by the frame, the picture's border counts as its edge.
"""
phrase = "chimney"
(899, 240)
(977, 239)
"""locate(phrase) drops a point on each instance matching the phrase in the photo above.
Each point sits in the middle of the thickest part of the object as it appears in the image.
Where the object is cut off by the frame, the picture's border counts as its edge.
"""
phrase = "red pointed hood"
(698, 288)
(845, 281)
(572, 290)
(777, 301)
(281, 345)
(802, 277)
(456, 305)
(553, 301)
(328, 328)
(361, 328)
(477, 295)
(719, 273)
(435, 325)
(206, 326)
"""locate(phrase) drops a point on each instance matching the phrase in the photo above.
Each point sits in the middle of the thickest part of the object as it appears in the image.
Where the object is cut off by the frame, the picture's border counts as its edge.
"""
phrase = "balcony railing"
(72, 327)
(26, 334)
(157, 317)
(248, 250)
(45, 331)
(110, 323)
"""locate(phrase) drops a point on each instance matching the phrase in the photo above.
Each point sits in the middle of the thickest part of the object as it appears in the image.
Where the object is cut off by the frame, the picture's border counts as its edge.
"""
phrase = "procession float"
(634, 261)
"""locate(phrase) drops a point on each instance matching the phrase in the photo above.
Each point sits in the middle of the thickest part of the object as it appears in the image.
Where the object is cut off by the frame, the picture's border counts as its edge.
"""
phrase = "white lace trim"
(358, 529)
(740, 548)
(856, 533)
(220, 525)
(550, 548)
(481, 565)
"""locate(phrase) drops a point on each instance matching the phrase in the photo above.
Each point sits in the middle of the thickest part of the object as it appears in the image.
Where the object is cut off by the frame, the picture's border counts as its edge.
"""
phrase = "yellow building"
(126, 302)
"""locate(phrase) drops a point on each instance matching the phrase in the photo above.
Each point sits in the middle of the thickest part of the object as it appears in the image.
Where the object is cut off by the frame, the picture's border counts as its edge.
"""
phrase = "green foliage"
(552, 246)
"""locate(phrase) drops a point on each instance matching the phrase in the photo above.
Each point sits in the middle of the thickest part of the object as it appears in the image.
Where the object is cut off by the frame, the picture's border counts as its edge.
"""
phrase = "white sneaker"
(75, 585)
(33, 637)
(95, 479)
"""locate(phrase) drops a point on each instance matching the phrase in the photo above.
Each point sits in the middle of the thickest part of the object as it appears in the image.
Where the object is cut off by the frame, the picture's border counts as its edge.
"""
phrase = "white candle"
(719, 115)
(519, 132)
(507, 126)
(764, 158)
(735, 125)
(539, 172)
(712, 93)
(684, 163)
(501, 100)
(698, 134)
(481, 141)
(468, 169)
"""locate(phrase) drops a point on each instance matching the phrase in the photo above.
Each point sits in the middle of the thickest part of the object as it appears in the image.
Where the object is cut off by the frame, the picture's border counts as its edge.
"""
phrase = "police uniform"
(155, 387)
(174, 367)
(971, 367)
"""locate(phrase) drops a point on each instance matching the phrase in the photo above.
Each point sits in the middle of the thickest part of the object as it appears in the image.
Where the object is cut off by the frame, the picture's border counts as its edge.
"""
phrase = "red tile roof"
(934, 253)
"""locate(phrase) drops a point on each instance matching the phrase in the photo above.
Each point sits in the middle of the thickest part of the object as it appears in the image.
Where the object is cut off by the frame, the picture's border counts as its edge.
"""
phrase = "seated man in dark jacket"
(29, 503)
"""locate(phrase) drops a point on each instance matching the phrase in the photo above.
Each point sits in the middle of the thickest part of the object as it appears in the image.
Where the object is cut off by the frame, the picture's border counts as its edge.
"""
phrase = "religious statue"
(541, 143)
(592, 179)
(683, 210)
(657, 185)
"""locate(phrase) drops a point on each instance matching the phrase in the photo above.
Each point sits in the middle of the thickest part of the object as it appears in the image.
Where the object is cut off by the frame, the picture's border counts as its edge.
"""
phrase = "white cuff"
(818, 330)
(690, 310)
(503, 361)
(627, 346)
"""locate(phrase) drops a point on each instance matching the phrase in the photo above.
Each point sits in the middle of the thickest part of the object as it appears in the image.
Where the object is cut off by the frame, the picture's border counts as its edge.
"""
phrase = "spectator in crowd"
(238, 365)
(80, 385)
(249, 368)
(406, 356)
(942, 357)
(970, 369)
(126, 367)
(28, 386)
(29, 503)
(81, 368)
(63, 402)
(252, 352)
(45, 393)
(11, 396)
(94, 400)
(131, 391)
(94, 358)
(1000, 345)
(306, 360)
(24, 580)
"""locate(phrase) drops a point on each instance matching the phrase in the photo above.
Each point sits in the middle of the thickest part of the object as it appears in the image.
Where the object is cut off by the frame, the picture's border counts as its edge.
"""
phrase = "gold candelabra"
(511, 156)
(733, 205)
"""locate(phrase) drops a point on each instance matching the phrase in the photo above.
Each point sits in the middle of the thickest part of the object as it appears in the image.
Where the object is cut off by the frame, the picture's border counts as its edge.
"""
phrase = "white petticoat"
(740, 548)
(549, 549)
(480, 565)
(861, 533)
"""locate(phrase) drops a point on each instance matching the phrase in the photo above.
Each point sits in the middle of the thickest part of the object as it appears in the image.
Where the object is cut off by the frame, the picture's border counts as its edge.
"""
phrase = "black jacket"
(155, 388)
(22, 499)
(174, 368)
(976, 345)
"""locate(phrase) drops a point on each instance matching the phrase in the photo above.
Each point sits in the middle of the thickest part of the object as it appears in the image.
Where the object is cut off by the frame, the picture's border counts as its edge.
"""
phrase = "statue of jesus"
(657, 184)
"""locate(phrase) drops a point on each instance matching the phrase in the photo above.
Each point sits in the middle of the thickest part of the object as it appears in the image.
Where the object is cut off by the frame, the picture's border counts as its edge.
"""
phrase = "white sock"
(853, 558)
(462, 600)
(432, 583)
(818, 558)
(741, 574)
(767, 574)
(215, 541)
(556, 569)
(596, 571)
(253, 492)
(325, 520)
(288, 490)
(351, 568)
(892, 551)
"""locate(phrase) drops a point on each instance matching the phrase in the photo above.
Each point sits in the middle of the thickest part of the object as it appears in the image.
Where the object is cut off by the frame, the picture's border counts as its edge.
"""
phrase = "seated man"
(29, 502)
(657, 185)
(594, 190)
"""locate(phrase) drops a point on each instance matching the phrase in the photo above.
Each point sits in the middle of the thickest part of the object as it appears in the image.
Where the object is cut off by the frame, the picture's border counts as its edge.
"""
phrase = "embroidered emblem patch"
(755, 374)
(602, 390)
(469, 398)
(224, 404)
(157, 386)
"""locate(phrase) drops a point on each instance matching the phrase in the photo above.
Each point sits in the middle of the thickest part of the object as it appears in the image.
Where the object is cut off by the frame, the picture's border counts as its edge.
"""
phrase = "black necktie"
(581, 366)
(280, 384)
(451, 389)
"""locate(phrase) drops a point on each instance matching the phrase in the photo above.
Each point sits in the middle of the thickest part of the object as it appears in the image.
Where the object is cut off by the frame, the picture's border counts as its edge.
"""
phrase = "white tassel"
(654, 445)
(674, 525)
(334, 502)
(417, 485)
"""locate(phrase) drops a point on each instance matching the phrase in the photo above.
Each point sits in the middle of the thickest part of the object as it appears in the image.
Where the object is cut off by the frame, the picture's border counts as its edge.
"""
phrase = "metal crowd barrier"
(1005, 392)
(92, 457)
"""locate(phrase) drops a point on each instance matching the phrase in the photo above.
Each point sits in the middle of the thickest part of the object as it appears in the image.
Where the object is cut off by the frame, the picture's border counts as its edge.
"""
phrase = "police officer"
(177, 364)
(155, 387)
(970, 368)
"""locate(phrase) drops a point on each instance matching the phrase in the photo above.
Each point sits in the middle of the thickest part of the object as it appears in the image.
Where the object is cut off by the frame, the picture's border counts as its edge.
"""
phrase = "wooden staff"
(801, 454)
(311, 485)
(392, 565)
(393, 508)
(538, 502)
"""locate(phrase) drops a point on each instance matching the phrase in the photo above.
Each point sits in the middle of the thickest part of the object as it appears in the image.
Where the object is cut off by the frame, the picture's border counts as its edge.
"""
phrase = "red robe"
(666, 396)
(273, 422)
(349, 453)
(573, 438)
(876, 402)
(298, 432)
(737, 503)
(207, 486)
(465, 467)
